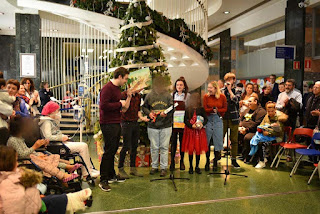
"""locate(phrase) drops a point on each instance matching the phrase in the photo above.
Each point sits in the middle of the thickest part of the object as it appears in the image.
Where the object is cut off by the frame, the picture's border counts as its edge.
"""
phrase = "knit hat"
(49, 108)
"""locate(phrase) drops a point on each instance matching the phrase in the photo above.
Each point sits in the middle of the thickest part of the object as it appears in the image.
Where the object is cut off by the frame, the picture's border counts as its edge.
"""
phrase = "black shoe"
(182, 166)
(153, 171)
(172, 167)
(104, 186)
(235, 164)
(190, 170)
(198, 171)
(207, 167)
(163, 173)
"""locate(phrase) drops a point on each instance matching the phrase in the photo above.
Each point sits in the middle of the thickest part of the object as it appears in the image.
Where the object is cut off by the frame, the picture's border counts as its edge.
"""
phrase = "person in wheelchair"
(19, 194)
(49, 164)
(50, 130)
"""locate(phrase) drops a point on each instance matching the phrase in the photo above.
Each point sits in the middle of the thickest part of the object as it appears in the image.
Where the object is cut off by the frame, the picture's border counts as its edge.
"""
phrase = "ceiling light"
(1, 13)
(11, 28)
(226, 12)
(54, 30)
(90, 50)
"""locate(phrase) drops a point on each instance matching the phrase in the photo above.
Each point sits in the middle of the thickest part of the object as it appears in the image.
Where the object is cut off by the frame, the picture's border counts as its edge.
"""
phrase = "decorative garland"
(140, 48)
(155, 64)
(170, 27)
(137, 24)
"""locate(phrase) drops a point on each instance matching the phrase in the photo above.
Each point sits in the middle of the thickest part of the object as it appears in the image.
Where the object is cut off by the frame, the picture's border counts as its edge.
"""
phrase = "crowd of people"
(253, 119)
(20, 106)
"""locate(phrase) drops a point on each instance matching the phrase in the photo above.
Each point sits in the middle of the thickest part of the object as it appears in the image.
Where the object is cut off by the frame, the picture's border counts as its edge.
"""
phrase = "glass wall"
(256, 52)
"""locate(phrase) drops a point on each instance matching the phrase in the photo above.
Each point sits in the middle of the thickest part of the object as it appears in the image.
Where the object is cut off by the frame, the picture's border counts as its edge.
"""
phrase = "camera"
(303, 4)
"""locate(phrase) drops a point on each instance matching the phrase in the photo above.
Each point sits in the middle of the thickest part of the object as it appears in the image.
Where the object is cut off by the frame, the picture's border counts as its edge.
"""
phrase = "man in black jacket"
(274, 86)
(313, 106)
(231, 117)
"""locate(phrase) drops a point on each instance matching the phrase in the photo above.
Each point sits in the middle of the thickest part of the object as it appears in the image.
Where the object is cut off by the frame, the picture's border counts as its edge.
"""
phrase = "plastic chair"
(291, 144)
(310, 151)
(287, 133)
(314, 172)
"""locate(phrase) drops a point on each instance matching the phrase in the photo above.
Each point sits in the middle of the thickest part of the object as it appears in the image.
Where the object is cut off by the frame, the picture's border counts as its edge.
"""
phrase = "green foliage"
(170, 27)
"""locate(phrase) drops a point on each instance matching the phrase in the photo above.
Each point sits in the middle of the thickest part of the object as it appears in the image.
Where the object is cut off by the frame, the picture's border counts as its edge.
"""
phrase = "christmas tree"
(138, 47)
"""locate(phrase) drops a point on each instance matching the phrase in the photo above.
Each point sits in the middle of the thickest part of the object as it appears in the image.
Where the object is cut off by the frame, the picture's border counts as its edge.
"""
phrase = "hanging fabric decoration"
(137, 24)
(183, 34)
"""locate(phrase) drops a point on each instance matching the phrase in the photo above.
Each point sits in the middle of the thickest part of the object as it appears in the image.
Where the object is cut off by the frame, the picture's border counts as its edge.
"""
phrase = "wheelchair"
(53, 184)
(57, 147)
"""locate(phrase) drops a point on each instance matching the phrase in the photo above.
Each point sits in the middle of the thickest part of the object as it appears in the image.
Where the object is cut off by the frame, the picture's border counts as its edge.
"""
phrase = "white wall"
(260, 63)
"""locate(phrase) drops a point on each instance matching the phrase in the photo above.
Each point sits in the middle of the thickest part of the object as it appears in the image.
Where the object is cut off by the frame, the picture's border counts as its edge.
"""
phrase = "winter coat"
(50, 129)
(252, 119)
(5, 107)
(15, 198)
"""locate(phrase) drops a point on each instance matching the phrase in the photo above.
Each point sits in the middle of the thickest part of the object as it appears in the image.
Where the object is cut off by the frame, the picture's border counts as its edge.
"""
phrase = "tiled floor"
(264, 191)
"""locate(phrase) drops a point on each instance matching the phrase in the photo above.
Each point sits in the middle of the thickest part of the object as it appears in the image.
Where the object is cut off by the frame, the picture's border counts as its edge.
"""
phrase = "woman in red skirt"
(194, 137)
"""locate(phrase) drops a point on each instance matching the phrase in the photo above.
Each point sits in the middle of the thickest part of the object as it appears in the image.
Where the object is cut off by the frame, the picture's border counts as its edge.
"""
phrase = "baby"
(5, 101)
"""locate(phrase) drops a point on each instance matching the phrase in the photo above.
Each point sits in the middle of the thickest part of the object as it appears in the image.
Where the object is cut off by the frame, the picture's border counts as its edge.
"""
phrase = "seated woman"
(270, 130)
(48, 163)
(19, 106)
(18, 192)
(49, 125)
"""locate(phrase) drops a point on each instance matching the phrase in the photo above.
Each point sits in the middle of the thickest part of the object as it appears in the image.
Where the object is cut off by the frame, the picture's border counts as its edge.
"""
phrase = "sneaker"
(235, 164)
(133, 171)
(260, 165)
(94, 173)
(265, 160)
(190, 170)
(104, 186)
(123, 173)
(120, 179)
(198, 171)
(182, 166)
(116, 179)
(163, 173)
(153, 171)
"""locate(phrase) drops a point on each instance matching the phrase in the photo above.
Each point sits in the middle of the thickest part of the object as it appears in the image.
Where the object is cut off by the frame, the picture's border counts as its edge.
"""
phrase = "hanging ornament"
(130, 39)
(130, 61)
(144, 52)
(148, 18)
(151, 32)
(131, 21)
(155, 45)
(202, 48)
(108, 11)
(154, 71)
(136, 34)
(183, 34)
(135, 51)
(121, 58)
(135, 4)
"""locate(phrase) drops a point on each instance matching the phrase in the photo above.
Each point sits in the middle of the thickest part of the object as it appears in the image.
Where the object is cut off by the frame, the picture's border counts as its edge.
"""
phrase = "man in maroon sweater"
(110, 118)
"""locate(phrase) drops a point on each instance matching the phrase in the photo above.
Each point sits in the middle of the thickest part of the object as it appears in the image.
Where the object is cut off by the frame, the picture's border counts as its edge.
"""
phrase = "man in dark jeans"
(231, 118)
(110, 118)
(131, 133)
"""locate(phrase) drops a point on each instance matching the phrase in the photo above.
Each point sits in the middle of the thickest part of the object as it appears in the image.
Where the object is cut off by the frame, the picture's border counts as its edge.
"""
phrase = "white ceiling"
(235, 7)
(8, 19)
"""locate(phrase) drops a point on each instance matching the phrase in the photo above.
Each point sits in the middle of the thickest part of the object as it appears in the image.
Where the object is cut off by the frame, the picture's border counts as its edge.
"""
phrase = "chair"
(287, 133)
(310, 151)
(291, 144)
(314, 172)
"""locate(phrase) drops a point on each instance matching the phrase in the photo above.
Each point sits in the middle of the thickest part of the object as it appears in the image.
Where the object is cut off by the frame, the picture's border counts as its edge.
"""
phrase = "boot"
(182, 166)
(123, 173)
(217, 156)
(133, 171)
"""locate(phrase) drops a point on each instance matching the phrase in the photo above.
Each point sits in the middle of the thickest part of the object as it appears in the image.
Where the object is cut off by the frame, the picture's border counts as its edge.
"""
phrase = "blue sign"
(285, 52)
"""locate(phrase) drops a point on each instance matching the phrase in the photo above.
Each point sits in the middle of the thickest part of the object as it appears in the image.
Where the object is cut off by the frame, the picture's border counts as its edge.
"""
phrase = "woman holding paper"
(215, 105)
(180, 95)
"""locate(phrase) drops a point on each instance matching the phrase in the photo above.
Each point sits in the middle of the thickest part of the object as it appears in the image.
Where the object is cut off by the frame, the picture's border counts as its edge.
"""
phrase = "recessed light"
(1, 13)
(226, 12)
(54, 30)
(11, 28)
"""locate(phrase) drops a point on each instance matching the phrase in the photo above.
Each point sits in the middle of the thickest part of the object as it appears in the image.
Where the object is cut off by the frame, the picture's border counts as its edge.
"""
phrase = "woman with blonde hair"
(215, 105)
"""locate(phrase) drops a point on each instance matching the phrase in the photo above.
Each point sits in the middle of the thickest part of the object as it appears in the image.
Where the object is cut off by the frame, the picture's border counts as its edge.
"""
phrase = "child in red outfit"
(194, 138)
